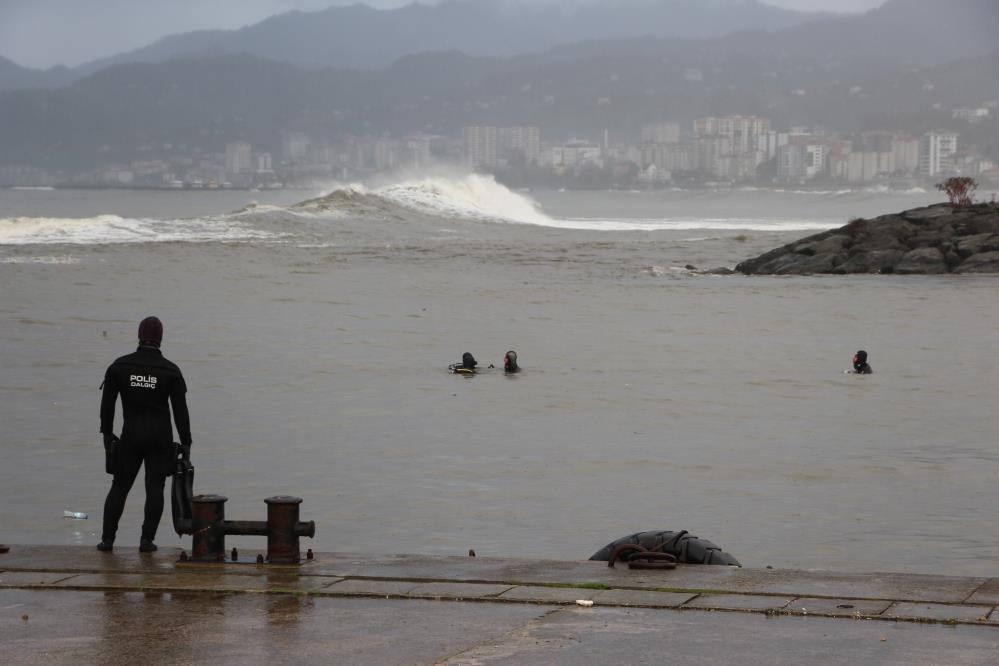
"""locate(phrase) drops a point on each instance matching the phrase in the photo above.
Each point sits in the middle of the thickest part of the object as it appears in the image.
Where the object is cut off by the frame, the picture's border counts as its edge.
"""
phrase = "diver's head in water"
(859, 360)
(510, 362)
(468, 361)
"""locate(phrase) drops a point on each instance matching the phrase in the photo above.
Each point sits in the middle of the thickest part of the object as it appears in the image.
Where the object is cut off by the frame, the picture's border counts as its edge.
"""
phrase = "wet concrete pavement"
(66, 604)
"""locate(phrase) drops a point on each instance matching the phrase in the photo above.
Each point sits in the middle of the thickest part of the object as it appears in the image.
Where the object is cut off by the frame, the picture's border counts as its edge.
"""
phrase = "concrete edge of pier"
(774, 592)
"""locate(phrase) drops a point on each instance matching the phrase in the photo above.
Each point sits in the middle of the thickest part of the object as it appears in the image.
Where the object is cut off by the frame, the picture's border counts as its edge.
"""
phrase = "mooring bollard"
(208, 528)
(284, 529)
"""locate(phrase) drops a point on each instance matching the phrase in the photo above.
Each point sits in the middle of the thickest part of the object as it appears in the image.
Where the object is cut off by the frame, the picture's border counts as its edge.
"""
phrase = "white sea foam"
(112, 229)
(473, 196)
(479, 197)
(52, 260)
(690, 224)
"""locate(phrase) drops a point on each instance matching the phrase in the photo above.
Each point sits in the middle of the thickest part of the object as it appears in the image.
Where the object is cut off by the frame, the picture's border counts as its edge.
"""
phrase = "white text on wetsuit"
(138, 381)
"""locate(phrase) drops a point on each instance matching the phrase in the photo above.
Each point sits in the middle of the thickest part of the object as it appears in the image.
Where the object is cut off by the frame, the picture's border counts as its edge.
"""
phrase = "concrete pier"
(72, 604)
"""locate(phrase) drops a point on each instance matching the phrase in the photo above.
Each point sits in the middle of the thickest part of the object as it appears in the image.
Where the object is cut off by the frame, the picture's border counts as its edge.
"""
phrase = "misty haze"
(745, 253)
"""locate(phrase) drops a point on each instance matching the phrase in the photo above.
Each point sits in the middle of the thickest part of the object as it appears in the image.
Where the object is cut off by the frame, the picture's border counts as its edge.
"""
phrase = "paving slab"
(831, 584)
(30, 578)
(64, 627)
(941, 612)
(555, 595)
(840, 607)
(602, 635)
(988, 593)
(91, 607)
(87, 558)
(381, 588)
(194, 582)
(737, 602)
(900, 587)
(641, 598)
(458, 590)
(910, 587)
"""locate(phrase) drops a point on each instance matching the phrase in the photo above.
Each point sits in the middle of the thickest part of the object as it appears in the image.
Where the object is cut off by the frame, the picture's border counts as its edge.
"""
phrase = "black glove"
(185, 452)
(111, 444)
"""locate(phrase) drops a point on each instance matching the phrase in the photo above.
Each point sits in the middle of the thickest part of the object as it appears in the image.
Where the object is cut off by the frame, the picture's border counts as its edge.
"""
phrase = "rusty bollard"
(284, 529)
(208, 523)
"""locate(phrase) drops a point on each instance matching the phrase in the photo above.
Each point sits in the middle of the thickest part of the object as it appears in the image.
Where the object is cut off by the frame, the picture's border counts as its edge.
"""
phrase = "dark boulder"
(922, 261)
(985, 262)
(926, 241)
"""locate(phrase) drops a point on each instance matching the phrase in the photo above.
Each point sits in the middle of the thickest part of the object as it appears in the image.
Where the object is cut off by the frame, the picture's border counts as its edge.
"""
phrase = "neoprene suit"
(146, 382)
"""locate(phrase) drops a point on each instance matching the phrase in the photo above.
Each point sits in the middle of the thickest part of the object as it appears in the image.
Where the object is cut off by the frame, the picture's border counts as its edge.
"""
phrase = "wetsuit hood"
(150, 332)
(510, 362)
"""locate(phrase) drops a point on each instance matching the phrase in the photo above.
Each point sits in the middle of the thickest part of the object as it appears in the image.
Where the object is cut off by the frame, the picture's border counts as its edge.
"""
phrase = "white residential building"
(743, 131)
(295, 147)
(801, 160)
(480, 145)
(265, 165)
(661, 133)
(238, 157)
(576, 153)
(906, 154)
(523, 140)
(936, 153)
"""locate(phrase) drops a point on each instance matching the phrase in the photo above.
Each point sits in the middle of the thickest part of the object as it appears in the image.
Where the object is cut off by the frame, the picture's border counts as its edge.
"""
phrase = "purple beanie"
(151, 330)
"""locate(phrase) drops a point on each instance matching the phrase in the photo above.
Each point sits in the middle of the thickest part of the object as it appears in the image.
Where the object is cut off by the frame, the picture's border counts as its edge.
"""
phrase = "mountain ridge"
(360, 37)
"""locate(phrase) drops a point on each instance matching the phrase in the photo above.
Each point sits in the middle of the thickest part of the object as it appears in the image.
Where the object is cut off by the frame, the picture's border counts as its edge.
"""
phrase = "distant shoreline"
(792, 188)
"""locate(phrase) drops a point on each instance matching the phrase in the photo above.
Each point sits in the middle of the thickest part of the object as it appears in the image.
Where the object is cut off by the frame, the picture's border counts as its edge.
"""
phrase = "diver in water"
(466, 367)
(510, 362)
(860, 364)
(148, 385)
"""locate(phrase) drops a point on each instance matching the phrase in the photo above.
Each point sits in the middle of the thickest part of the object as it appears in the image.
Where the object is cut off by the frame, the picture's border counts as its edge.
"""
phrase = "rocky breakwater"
(933, 240)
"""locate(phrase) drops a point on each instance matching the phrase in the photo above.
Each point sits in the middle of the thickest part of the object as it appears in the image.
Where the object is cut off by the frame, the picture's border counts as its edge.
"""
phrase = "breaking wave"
(437, 198)
(112, 229)
(470, 197)
(477, 197)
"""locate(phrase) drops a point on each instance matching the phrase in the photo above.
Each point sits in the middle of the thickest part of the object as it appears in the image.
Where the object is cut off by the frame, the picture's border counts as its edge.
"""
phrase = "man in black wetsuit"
(146, 382)
(860, 364)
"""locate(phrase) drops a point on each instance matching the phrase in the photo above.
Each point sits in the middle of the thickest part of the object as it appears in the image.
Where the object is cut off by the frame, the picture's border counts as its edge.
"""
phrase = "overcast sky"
(43, 33)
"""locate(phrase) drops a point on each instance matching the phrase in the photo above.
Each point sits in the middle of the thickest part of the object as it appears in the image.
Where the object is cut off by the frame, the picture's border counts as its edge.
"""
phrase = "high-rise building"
(523, 140)
(264, 163)
(743, 131)
(238, 157)
(480, 145)
(936, 153)
(801, 159)
(865, 167)
(295, 147)
(661, 133)
(417, 151)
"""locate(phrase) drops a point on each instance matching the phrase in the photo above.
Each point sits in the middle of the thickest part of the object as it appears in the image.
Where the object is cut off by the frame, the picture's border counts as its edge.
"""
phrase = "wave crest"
(112, 229)
(473, 196)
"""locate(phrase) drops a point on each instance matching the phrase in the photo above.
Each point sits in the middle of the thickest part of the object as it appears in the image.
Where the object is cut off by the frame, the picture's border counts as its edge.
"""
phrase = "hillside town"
(732, 149)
